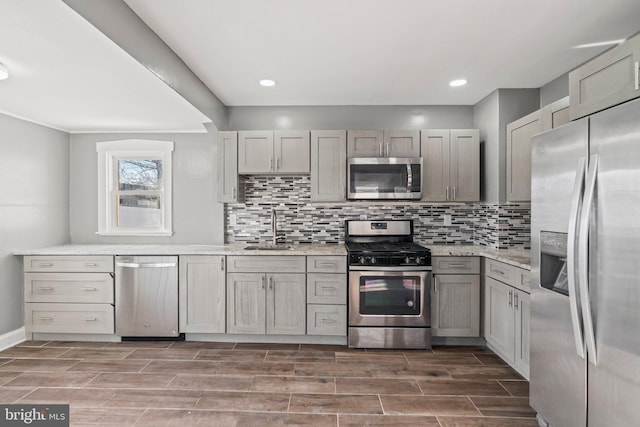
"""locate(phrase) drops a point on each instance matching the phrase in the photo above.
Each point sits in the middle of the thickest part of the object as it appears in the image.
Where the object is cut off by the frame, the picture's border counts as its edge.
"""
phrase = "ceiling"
(66, 74)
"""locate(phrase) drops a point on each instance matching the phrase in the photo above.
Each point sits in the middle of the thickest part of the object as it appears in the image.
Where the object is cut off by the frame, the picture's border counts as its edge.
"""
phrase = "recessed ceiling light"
(598, 44)
(456, 83)
(4, 73)
(267, 82)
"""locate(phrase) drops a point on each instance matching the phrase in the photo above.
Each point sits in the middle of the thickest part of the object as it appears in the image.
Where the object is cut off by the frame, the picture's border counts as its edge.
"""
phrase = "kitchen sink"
(269, 247)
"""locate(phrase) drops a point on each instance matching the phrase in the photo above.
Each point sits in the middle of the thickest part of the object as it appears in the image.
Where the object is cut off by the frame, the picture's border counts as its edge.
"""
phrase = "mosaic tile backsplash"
(498, 226)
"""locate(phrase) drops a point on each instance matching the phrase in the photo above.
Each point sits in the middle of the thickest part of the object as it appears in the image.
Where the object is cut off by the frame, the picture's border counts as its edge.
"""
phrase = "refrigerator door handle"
(574, 308)
(583, 255)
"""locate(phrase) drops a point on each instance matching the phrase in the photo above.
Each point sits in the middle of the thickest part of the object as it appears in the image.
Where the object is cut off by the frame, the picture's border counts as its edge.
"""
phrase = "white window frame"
(108, 155)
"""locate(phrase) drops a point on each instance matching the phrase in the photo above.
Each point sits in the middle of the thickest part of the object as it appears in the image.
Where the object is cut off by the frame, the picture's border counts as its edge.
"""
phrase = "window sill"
(135, 233)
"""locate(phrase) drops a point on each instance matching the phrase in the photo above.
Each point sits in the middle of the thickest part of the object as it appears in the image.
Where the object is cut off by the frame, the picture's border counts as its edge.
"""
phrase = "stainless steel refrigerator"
(585, 302)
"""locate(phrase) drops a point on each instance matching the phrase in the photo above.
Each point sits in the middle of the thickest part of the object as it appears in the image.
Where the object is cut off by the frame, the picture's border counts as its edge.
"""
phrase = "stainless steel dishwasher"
(147, 296)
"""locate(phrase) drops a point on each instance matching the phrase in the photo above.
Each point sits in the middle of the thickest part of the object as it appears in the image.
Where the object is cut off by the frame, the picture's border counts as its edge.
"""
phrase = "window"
(134, 188)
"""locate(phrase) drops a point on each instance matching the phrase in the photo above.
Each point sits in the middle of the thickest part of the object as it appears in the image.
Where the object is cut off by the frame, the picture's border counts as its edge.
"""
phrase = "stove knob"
(372, 260)
(419, 260)
(362, 260)
(407, 260)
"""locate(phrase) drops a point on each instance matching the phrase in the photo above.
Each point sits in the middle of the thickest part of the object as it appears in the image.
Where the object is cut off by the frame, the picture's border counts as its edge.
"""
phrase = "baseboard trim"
(12, 338)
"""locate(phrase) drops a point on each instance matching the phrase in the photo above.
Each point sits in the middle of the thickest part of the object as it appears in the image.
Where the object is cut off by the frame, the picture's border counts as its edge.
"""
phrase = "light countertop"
(517, 257)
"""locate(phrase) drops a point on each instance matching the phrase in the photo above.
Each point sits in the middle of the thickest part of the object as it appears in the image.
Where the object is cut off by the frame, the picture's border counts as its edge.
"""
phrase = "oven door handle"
(390, 269)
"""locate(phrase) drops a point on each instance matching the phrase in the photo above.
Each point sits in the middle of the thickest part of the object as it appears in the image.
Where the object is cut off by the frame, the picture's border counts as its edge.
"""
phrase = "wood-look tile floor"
(227, 384)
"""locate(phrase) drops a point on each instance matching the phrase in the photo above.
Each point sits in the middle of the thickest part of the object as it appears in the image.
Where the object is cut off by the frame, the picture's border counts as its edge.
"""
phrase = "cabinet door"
(246, 303)
(464, 168)
(228, 180)
(202, 292)
(519, 134)
(555, 114)
(286, 304)
(255, 152)
(499, 321)
(328, 166)
(456, 305)
(607, 80)
(522, 311)
(434, 146)
(365, 143)
(292, 152)
(401, 143)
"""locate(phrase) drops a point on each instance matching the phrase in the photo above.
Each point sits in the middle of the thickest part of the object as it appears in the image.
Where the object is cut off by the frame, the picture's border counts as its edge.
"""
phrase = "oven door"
(389, 298)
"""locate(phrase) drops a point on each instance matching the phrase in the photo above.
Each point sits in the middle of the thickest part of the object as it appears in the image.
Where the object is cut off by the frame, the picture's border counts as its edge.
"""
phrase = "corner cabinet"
(230, 184)
(455, 297)
(507, 313)
(607, 80)
(519, 135)
(328, 166)
(273, 152)
(69, 294)
(451, 160)
(202, 292)
(266, 295)
(388, 143)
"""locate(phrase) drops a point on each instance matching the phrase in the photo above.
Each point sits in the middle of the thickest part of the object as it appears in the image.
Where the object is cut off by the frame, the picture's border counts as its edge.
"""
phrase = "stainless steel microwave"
(397, 178)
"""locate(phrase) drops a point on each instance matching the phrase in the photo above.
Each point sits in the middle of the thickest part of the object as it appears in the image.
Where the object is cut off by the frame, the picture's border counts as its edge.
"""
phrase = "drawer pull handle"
(90, 319)
(327, 264)
(457, 265)
(45, 288)
(90, 264)
(495, 270)
(44, 319)
(328, 287)
(45, 264)
(90, 289)
(328, 321)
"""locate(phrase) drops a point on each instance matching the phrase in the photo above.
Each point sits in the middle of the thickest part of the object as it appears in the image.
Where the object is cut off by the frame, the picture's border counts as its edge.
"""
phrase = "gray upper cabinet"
(401, 143)
(230, 184)
(451, 160)
(555, 114)
(606, 80)
(519, 134)
(269, 152)
(388, 143)
(365, 143)
(328, 166)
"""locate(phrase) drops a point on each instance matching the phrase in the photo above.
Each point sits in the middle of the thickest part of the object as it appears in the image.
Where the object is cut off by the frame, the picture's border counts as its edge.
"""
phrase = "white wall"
(197, 216)
(34, 203)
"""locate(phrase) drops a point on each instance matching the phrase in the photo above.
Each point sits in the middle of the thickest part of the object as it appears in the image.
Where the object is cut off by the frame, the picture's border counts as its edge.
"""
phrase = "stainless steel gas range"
(389, 283)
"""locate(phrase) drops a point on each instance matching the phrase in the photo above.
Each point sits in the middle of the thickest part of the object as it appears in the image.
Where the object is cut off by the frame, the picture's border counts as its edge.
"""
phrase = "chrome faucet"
(274, 227)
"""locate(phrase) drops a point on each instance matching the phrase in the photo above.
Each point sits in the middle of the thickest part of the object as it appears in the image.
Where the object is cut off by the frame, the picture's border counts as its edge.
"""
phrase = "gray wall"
(34, 203)
(554, 90)
(197, 216)
(350, 117)
(491, 115)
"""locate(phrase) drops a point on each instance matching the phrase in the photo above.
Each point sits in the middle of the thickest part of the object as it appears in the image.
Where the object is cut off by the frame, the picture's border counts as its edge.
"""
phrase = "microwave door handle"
(409, 178)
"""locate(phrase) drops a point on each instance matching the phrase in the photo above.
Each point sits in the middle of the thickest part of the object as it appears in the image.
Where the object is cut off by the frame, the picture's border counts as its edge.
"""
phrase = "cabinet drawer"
(69, 318)
(327, 288)
(326, 319)
(68, 287)
(266, 264)
(523, 279)
(326, 264)
(71, 264)
(500, 271)
(456, 265)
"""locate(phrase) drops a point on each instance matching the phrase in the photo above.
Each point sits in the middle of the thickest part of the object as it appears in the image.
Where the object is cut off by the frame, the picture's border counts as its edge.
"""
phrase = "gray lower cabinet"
(69, 294)
(328, 166)
(266, 295)
(273, 152)
(507, 313)
(455, 297)
(451, 160)
(327, 295)
(607, 80)
(202, 294)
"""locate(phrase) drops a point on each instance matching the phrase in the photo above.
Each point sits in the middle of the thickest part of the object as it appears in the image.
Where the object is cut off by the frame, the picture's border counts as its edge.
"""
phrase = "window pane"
(139, 174)
(139, 211)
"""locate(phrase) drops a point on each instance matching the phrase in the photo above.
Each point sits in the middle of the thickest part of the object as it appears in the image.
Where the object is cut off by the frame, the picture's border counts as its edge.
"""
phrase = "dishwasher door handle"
(146, 265)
